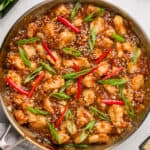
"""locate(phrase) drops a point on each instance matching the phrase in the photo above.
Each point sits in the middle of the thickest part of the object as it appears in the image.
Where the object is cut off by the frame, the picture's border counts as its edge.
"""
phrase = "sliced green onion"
(83, 136)
(77, 145)
(68, 114)
(72, 51)
(67, 83)
(89, 17)
(75, 9)
(135, 55)
(112, 81)
(74, 75)
(128, 103)
(92, 39)
(54, 133)
(27, 41)
(118, 37)
(48, 68)
(60, 96)
(100, 114)
(71, 127)
(37, 111)
(24, 57)
(90, 125)
(101, 12)
(33, 74)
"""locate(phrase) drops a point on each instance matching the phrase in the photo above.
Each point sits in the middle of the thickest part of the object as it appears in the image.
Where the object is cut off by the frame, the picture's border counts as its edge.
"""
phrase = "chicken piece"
(55, 82)
(108, 32)
(40, 50)
(58, 62)
(72, 89)
(129, 93)
(64, 137)
(62, 10)
(40, 35)
(49, 29)
(31, 29)
(119, 25)
(68, 63)
(82, 62)
(89, 81)
(66, 37)
(99, 138)
(92, 9)
(137, 82)
(103, 127)
(47, 105)
(105, 42)
(127, 46)
(103, 68)
(83, 117)
(111, 89)
(98, 24)
(16, 78)
(132, 68)
(18, 99)
(120, 51)
(72, 129)
(97, 52)
(48, 76)
(77, 21)
(16, 61)
(30, 51)
(116, 114)
(20, 117)
(88, 97)
(26, 105)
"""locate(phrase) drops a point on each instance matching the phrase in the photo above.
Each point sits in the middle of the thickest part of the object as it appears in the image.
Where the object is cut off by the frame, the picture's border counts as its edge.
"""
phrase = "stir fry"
(75, 76)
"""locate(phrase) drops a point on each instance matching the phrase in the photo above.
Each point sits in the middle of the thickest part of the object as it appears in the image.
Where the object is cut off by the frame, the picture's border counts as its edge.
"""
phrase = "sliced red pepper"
(45, 46)
(37, 81)
(92, 70)
(76, 68)
(103, 55)
(113, 73)
(16, 87)
(60, 119)
(68, 24)
(111, 102)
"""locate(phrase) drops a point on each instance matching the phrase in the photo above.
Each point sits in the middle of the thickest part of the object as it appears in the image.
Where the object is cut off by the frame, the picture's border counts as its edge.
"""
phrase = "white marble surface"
(139, 9)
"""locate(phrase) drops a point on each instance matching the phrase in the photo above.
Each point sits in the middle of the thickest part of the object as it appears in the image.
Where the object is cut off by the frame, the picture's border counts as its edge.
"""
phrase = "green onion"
(72, 51)
(26, 41)
(71, 127)
(112, 81)
(90, 125)
(68, 114)
(67, 83)
(24, 57)
(93, 15)
(5, 3)
(54, 133)
(75, 9)
(135, 55)
(118, 37)
(76, 145)
(92, 39)
(33, 74)
(74, 75)
(37, 111)
(48, 68)
(128, 104)
(60, 96)
(83, 136)
(100, 114)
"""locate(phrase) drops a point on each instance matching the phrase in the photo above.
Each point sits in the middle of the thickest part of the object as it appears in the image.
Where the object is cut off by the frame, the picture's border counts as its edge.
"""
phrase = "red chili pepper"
(111, 102)
(18, 89)
(102, 56)
(60, 119)
(76, 67)
(68, 24)
(114, 73)
(45, 46)
(37, 81)
(92, 70)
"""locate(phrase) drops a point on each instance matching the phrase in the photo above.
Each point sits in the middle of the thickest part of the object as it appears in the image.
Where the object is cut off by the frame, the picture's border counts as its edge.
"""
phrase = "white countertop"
(139, 9)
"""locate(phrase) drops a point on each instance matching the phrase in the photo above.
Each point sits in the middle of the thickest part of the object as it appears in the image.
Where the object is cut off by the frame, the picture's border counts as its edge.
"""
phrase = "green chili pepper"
(112, 81)
(60, 96)
(92, 39)
(74, 75)
(118, 37)
(102, 115)
(77, 145)
(30, 40)
(33, 74)
(128, 104)
(75, 9)
(93, 15)
(24, 57)
(72, 51)
(37, 111)
(48, 68)
(54, 133)
(135, 55)
(67, 83)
